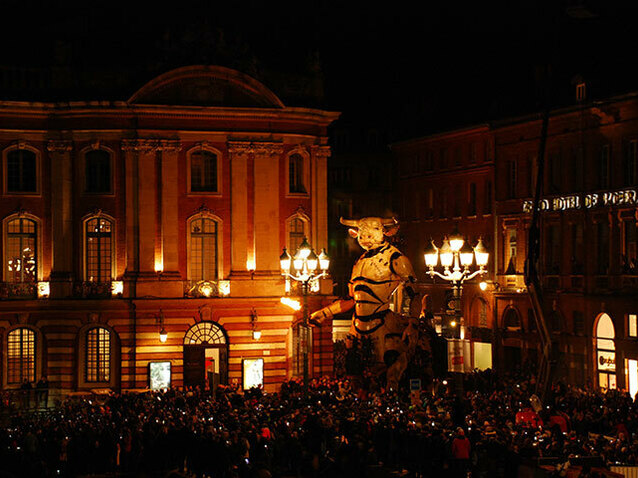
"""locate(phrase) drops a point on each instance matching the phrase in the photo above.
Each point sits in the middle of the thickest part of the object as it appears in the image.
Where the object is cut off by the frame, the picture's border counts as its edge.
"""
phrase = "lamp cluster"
(456, 256)
(306, 265)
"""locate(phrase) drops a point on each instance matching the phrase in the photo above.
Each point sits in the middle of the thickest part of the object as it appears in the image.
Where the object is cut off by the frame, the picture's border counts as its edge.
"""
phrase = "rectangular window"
(443, 158)
(430, 202)
(533, 172)
(429, 161)
(98, 355)
(578, 249)
(632, 325)
(487, 207)
(203, 259)
(629, 262)
(20, 355)
(458, 198)
(296, 174)
(473, 153)
(576, 174)
(555, 171)
(603, 169)
(203, 171)
(510, 251)
(444, 204)
(602, 248)
(98, 250)
(21, 257)
(512, 179)
(458, 153)
(21, 171)
(296, 234)
(552, 249)
(97, 171)
(471, 203)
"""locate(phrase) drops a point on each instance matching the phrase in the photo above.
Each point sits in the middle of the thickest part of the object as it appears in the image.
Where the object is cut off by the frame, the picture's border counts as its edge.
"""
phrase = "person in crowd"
(42, 392)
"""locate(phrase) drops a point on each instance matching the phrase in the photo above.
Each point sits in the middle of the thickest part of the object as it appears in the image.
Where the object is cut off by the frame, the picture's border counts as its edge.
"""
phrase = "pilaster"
(61, 217)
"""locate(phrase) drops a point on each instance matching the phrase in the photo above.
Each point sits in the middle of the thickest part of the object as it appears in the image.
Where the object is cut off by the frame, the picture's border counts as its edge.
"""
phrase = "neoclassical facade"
(166, 212)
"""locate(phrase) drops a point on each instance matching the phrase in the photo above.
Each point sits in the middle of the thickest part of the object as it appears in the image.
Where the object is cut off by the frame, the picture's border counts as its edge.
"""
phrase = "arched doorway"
(205, 356)
(605, 351)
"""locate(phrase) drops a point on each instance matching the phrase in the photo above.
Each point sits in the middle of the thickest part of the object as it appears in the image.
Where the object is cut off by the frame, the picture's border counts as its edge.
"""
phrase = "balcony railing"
(18, 290)
(92, 290)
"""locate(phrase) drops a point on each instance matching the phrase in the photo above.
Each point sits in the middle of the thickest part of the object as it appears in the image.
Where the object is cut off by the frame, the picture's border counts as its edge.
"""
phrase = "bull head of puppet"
(370, 232)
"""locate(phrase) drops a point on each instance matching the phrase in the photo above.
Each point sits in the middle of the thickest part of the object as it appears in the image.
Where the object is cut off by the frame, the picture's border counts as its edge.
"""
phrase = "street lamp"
(306, 268)
(456, 257)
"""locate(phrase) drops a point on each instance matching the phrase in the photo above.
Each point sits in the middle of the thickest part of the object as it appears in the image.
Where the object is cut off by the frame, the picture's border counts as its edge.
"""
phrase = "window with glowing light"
(203, 169)
(21, 355)
(203, 249)
(21, 254)
(605, 334)
(98, 355)
(98, 249)
(97, 170)
(21, 171)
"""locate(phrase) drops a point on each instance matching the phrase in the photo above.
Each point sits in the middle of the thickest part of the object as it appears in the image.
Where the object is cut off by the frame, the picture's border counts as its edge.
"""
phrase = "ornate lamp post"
(456, 257)
(306, 267)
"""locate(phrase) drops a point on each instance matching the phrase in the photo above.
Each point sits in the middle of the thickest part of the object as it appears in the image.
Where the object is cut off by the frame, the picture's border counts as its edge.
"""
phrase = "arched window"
(511, 320)
(98, 355)
(97, 169)
(205, 333)
(203, 249)
(296, 174)
(296, 233)
(98, 249)
(21, 253)
(21, 171)
(605, 352)
(203, 171)
(21, 355)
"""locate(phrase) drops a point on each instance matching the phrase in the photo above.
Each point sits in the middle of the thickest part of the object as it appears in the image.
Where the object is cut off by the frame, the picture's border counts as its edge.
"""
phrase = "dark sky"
(430, 67)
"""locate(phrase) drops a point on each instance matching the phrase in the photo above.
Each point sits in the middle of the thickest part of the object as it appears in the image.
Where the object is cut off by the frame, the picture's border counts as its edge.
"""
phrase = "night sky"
(413, 70)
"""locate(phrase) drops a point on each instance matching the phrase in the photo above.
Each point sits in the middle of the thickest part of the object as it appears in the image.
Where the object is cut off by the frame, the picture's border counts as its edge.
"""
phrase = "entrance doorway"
(205, 356)
(605, 352)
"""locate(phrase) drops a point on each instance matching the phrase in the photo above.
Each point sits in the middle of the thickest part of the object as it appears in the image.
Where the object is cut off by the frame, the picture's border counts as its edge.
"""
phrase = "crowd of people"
(333, 429)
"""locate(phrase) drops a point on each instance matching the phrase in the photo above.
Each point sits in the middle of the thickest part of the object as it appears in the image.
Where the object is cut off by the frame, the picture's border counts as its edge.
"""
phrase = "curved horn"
(349, 222)
(389, 222)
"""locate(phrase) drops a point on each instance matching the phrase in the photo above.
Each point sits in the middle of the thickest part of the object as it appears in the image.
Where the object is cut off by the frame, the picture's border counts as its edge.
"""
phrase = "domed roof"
(206, 86)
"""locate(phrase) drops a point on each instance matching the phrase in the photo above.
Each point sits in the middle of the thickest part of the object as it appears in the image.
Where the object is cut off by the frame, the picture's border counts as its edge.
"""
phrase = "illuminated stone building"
(588, 248)
(166, 212)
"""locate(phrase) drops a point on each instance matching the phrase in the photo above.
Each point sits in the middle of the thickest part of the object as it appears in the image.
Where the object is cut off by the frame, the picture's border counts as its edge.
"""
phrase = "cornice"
(59, 146)
(151, 145)
(255, 147)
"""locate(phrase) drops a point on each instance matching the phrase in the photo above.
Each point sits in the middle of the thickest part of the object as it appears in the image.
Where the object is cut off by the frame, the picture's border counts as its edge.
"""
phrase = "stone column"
(267, 222)
(61, 217)
(239, 152)
(169, 218)
(142, 237)
(129, 147)
(319, 175)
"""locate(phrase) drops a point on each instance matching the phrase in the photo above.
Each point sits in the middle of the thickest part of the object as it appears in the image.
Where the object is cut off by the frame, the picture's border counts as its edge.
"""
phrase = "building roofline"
(513, 120)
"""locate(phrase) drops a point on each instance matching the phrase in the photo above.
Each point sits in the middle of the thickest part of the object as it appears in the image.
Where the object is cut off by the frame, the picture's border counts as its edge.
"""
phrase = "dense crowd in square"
(335, 428)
